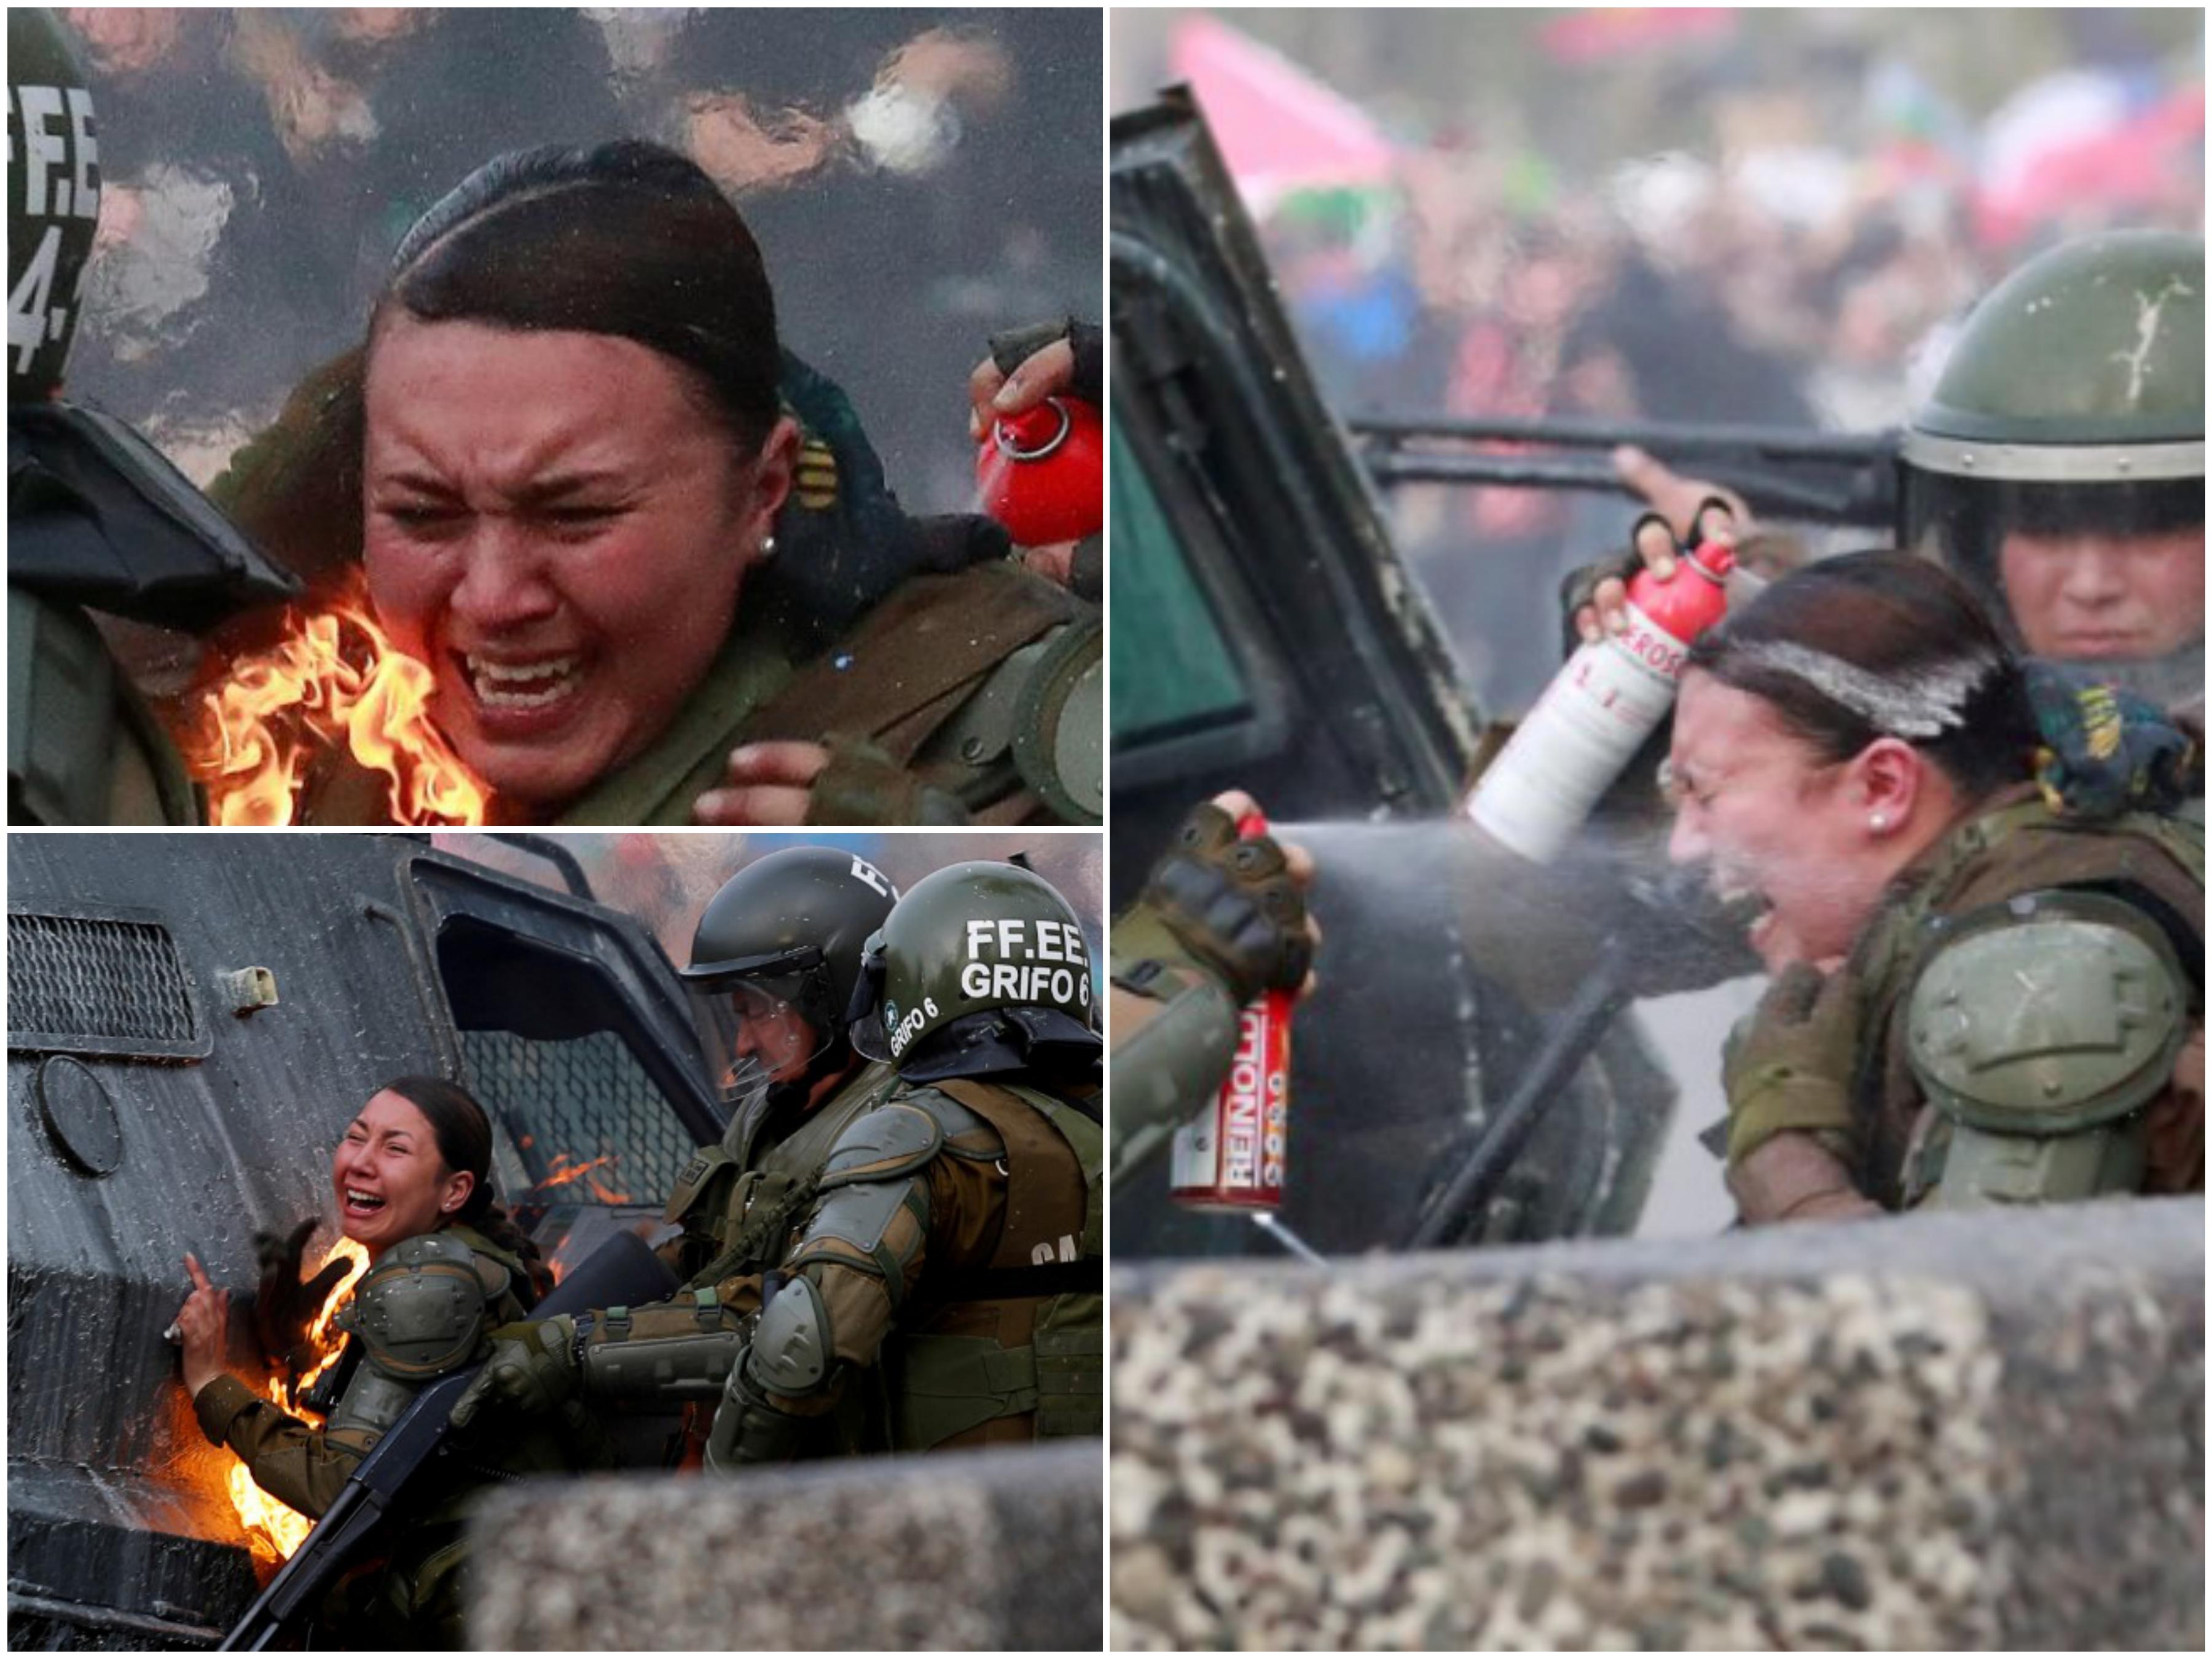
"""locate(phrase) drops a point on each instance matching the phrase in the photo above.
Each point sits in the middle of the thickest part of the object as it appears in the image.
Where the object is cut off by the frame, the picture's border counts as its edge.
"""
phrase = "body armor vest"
(739, 1213)
(1012, 1350)
(2154, 864)
(1016, 1349)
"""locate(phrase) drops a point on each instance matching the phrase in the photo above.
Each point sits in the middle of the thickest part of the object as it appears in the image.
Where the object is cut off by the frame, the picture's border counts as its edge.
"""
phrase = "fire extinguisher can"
(1042, 473)
(1231, 1156)
(1598, 710)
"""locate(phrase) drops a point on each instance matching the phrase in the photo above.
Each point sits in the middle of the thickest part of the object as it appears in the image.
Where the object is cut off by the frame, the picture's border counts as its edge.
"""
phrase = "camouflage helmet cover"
(973, 938)
(53, 198)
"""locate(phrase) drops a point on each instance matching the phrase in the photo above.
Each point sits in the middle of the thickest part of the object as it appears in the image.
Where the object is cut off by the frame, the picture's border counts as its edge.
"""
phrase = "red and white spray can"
(1042, 473)
(1598, 708)
(1231, 1155)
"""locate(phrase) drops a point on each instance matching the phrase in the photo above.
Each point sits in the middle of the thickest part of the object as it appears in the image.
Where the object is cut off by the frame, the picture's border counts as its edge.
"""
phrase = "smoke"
(913, 119)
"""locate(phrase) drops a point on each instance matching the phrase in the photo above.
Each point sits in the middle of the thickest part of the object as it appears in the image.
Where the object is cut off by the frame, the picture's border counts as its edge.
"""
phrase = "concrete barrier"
(996, 1551)
(1980, 1431)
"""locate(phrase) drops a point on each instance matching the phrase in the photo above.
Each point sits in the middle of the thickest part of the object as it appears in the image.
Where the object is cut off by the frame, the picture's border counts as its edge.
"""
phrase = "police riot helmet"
(786, 930)
(2071, 406)
(980, 967)
(53, 198)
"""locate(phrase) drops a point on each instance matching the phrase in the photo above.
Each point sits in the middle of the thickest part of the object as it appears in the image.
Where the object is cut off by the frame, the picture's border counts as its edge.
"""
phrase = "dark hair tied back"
(626, 239)
(1869, 645)
(463, 1131)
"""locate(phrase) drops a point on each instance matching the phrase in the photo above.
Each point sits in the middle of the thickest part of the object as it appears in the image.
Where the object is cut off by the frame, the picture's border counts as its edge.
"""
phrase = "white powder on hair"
(1918, 704)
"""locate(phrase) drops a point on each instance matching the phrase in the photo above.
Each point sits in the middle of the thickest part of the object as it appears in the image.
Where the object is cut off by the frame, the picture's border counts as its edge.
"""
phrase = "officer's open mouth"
(1746, 902)
(360, 1203)
(521, 685)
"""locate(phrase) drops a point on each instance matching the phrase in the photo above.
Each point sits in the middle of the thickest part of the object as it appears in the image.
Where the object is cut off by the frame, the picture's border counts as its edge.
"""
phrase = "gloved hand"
(1791, 1065)
(843, 780)
(1233, 906)
(283, 1307)
(533, 1369)
(1595, 598)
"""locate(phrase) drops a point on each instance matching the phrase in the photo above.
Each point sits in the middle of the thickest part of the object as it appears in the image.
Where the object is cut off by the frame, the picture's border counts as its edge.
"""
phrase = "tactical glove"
(1229, 906)
(533, 1369)
(863, 785)
(1791, 1065)
(284, 1308)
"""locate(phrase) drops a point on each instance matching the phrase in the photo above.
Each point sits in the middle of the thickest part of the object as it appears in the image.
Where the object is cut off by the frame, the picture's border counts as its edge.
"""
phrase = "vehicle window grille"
(97, 984)
(591, 1126)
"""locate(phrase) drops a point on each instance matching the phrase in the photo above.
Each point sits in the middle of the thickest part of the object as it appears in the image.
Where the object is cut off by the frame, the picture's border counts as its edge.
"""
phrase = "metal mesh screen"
(113, 984)
(590, 1124)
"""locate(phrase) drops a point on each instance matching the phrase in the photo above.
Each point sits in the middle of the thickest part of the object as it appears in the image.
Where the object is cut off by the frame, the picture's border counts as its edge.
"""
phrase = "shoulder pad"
(892, 1140)
(420, 1312)
(1057, 722)
(2047, 1015)
(953, 1119)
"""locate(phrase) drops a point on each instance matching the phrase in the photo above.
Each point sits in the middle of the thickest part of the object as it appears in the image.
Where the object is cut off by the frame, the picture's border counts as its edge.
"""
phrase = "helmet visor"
(762, 1021)
(2101, 575)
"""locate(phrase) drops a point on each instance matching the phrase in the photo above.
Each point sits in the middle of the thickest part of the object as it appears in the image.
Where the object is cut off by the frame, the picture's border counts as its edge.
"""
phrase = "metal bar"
(1862, 502)
(1569, 432)
(88, 1617)
(1568, 1045)
(572, 873)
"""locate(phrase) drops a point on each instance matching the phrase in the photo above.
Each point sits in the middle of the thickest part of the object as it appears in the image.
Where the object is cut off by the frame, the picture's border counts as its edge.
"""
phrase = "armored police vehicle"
(192, 1023)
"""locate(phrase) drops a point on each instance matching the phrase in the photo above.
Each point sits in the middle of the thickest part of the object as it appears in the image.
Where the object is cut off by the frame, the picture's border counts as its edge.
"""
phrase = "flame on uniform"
(335, 680)
(274, 1529)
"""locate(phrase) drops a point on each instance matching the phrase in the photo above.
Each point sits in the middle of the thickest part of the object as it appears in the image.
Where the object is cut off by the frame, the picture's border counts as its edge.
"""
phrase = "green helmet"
(53, 198)
(980, 967)
(790, 926)
(2071, 406)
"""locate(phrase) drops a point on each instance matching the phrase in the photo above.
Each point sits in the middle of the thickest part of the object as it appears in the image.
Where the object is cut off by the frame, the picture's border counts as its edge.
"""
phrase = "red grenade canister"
(1042, 473)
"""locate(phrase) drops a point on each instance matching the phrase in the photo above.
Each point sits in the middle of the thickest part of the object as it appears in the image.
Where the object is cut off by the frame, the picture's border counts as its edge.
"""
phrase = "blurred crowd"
(1665, 223)
(927, 176)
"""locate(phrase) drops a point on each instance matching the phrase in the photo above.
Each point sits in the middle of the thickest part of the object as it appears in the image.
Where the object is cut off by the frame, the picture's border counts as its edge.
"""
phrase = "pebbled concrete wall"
(1936, 1432)
(992, 1551)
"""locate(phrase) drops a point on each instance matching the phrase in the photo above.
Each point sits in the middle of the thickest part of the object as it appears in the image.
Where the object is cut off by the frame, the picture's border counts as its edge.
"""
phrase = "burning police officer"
(937, 1220)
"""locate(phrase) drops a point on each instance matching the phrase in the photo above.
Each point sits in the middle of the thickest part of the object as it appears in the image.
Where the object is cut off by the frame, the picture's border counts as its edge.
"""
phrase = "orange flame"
(567, 1169)
(335, 678)
(275, 1531)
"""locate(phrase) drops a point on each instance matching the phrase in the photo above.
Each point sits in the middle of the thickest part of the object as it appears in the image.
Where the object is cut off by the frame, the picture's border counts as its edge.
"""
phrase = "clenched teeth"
(522, 686)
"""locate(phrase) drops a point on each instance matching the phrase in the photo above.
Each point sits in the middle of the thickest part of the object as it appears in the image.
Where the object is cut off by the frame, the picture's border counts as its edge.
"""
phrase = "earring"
(768, 547)
(1879, 821)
